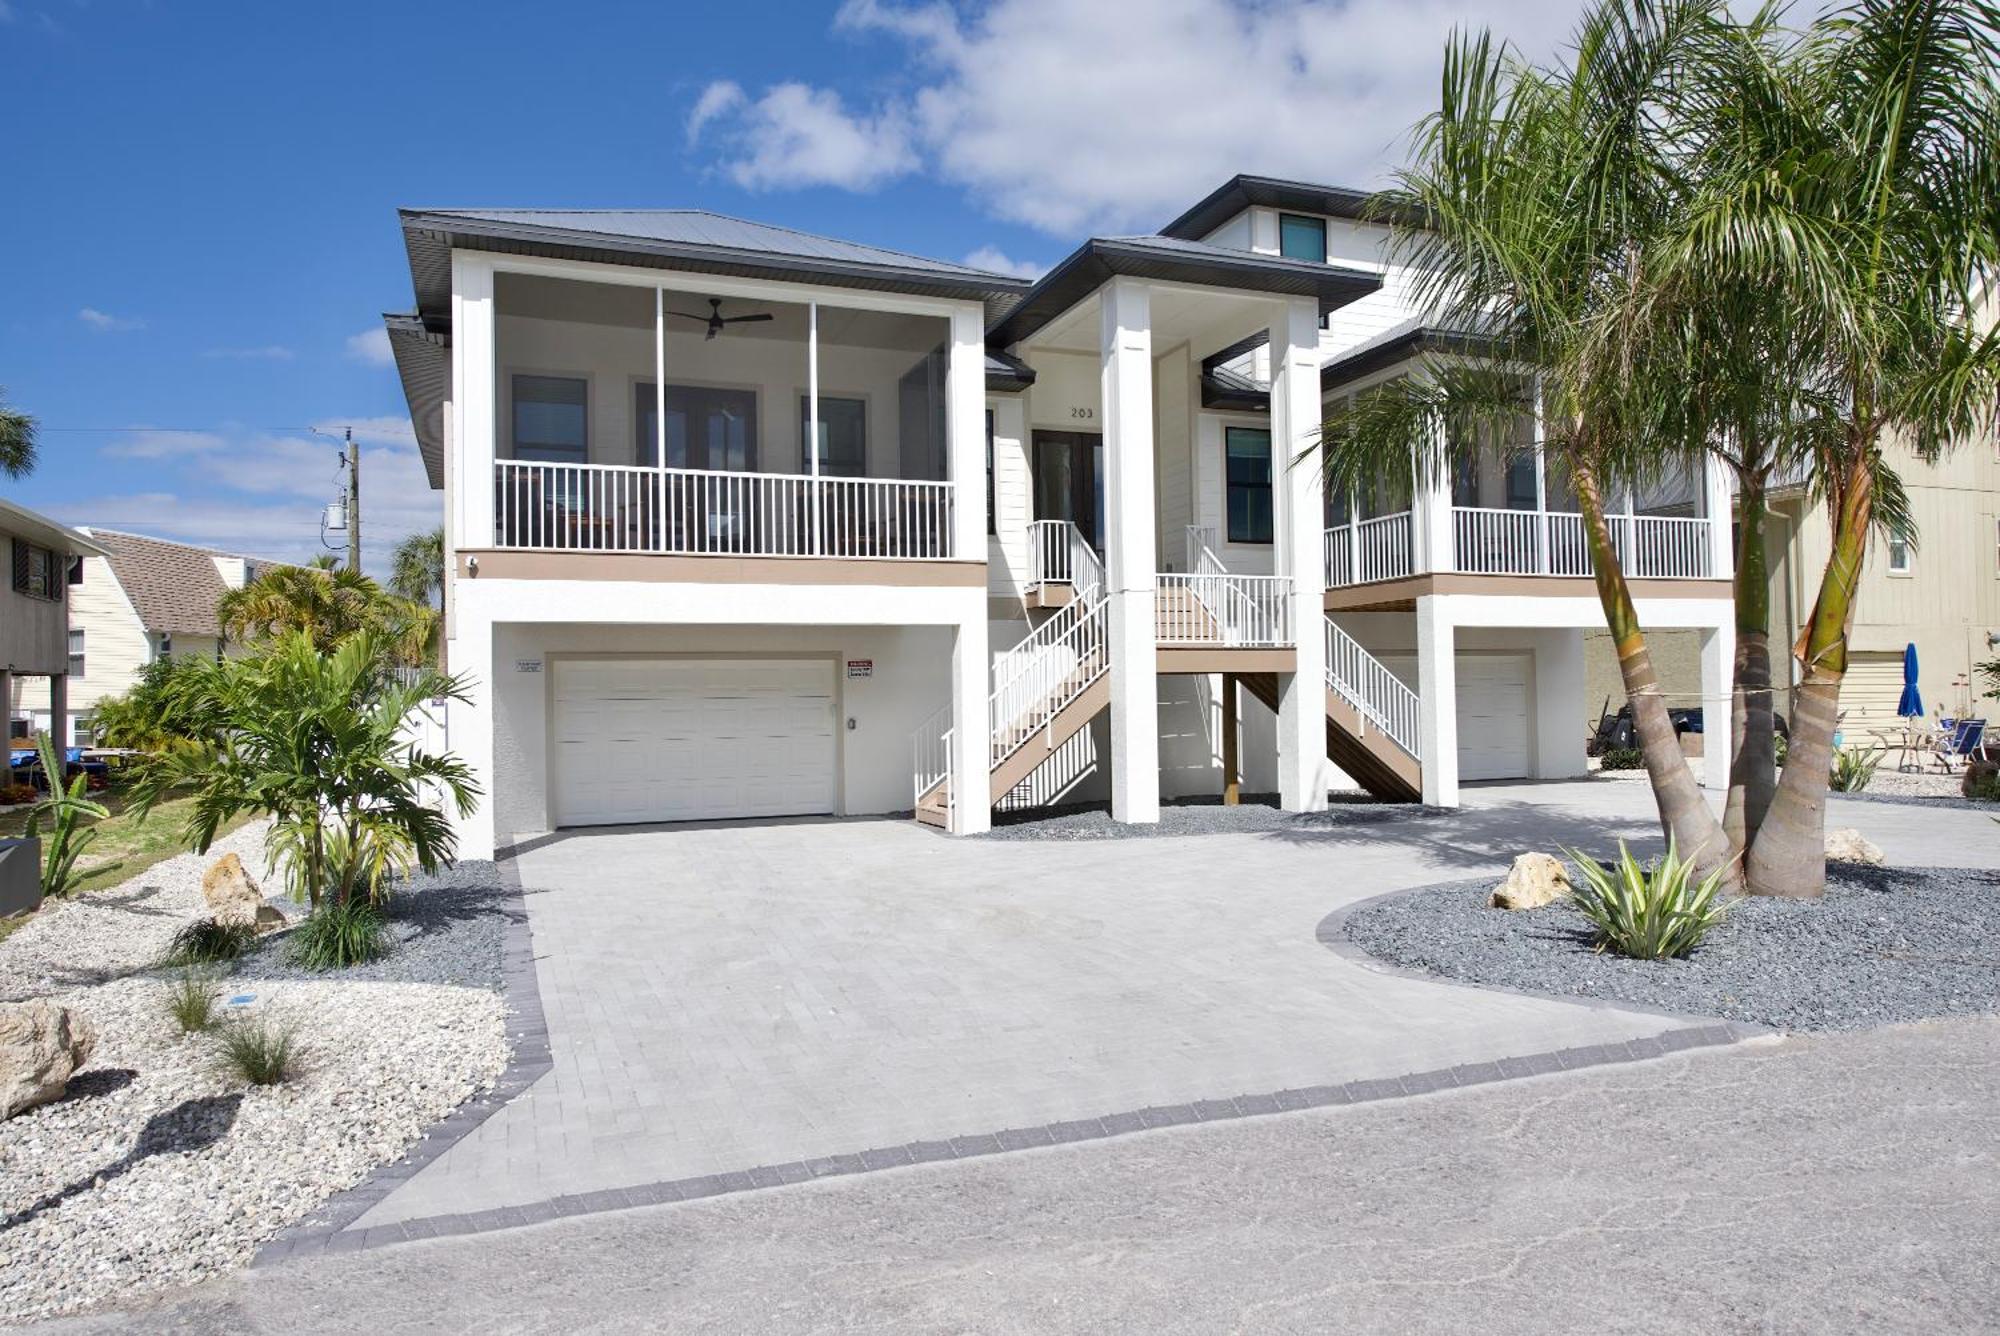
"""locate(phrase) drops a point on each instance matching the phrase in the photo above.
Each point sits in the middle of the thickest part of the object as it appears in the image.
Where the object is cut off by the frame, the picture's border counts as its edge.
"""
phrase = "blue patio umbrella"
(1911, 706)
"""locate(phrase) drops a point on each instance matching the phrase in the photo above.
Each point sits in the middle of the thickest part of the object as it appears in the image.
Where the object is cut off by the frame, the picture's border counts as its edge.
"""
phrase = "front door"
(1069, 481)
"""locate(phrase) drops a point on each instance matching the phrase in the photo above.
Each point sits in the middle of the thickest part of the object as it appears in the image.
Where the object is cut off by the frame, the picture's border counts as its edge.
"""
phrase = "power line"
(181, 431)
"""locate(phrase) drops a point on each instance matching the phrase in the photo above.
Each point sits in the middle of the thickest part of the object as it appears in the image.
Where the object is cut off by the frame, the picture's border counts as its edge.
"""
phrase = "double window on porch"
(637, 420)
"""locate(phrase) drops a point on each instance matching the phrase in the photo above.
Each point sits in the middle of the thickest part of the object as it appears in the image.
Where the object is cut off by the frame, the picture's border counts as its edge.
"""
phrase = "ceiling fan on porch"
(715, 319)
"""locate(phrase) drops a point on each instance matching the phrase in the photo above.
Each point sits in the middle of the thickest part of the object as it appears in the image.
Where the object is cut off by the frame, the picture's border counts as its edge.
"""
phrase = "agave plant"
(1657, 914)
(65, 809)
(1853, 767)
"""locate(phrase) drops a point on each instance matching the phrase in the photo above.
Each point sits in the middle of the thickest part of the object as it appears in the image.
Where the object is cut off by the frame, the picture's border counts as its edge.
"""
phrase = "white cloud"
(799, 136)
(1072, 117)
(150, 443)
(106, 323)
(997, 260)
(270, 352)
(718, 99)
(371, 346)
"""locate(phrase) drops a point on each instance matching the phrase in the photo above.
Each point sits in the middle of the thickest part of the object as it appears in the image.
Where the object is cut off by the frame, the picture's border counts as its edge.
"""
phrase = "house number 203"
(1084, 413)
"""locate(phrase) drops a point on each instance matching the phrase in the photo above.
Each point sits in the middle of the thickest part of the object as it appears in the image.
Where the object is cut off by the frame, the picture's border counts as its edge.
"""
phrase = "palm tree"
(317, 741)
(17, 441)
(416, 567)
(329, 607)
(1532, 196)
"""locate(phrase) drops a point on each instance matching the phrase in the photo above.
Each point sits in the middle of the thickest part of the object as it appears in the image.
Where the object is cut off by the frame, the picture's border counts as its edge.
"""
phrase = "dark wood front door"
(1069, 481)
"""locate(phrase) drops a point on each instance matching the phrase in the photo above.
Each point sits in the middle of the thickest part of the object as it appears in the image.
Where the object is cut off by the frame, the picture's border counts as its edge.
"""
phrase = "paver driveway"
(727, 997)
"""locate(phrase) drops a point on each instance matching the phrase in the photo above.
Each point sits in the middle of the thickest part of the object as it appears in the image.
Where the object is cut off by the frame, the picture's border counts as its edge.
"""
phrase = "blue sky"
(202, 231)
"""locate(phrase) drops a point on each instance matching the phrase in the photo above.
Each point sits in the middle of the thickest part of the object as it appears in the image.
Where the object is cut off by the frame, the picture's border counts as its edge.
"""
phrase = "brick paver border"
(328, 1230)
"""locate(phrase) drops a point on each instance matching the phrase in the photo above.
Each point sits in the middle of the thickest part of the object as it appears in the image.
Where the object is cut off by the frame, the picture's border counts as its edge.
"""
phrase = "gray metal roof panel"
(1241, 192)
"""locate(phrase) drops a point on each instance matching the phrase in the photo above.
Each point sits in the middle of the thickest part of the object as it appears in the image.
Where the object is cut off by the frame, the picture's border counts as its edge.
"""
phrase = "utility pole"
(353, 505)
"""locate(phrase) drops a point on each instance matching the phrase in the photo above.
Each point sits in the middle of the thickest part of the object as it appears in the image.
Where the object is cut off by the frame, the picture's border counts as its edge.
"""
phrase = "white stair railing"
(1212, 605)
(932, 762)
(1377, 694)
(1047, 671)
(1058, 553)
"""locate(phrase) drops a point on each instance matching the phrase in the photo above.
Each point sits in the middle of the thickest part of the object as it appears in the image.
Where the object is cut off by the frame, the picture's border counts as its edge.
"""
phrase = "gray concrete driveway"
(747, 995)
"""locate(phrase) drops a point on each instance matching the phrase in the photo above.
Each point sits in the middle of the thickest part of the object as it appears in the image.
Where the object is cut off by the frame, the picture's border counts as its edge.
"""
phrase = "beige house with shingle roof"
(144, 599)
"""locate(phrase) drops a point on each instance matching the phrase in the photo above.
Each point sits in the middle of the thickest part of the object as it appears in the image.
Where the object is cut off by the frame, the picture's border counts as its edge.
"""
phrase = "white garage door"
(1492, 716)
(692, 739)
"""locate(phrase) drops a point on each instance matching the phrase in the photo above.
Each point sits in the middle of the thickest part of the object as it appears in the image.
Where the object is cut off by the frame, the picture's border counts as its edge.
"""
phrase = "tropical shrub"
(207, 942)
(1853, 767)
(316, 741)
(329, 607)
(338, 934)
(1657, 914)
(65, 809)
(17, 795)
(1981, 782)
(258, 1051)
(1622, 758)
(160, 710)
(191, 1001)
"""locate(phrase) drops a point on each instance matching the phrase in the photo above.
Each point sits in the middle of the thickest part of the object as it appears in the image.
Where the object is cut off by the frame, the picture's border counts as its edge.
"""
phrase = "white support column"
(1437, 697)
(972, 807)
(1545, 558)
(470, 725)
(474, 397)
(58, 719)
(1129, 549)
(1431, 499)
(662, 538)
(1717, 507)
(812, 427)
(1718, 668)
(1300, 522)
(965, 418)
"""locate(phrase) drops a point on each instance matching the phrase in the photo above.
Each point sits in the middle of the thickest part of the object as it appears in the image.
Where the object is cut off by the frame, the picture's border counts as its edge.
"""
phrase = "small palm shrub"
(191, 1001)
(1853, 767)
(258, 1051)
(206, 942)
(1623, 758)
(1657, 914)
(338, 934)
(65, 809)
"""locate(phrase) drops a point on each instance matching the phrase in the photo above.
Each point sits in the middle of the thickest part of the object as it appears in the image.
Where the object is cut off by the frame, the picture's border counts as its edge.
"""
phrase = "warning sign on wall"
(861, 667)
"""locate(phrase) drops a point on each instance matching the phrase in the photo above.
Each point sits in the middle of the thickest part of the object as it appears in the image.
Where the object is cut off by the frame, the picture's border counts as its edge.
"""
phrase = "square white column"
(1432, 522)
(474, 442)
(1300, 521)
(972, 807)
(1718, 672)
(1129, 548)
(1718, 502)
(469, 726)
(1437, 700)
(965, 416)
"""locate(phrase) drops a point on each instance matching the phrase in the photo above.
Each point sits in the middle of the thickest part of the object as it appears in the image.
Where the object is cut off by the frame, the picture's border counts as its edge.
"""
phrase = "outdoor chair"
(1965, 739)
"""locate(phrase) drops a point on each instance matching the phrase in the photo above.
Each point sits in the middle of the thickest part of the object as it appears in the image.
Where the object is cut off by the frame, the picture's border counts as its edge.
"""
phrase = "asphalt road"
(1839, 1183)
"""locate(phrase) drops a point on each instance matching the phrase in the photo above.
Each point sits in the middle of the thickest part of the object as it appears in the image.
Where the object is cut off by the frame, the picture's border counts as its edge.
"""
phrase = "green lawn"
(125, 845)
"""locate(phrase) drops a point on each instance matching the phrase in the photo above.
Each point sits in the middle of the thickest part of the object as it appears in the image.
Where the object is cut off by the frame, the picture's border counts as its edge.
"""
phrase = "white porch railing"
(1058, 553)
(695, 512)
(1486, 541)
(932, 761)
(1219, 608)
(1045, 672)
(1376, 693)
(1383, 548)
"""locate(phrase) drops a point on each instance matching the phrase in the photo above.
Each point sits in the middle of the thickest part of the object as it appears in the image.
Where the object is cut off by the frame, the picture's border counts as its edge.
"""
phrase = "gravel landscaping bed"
(1885, 945)
(1256, 814)
(158, 1168)
(1874, 793)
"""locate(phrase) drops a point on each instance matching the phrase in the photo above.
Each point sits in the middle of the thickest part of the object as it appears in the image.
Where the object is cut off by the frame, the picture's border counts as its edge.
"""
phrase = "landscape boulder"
(1849, 845)
(1534, 880)
(233, 898)
(41, 1046)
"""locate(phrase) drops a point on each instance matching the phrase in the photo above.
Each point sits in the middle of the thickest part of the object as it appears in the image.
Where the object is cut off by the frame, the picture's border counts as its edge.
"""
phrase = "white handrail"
(1210, 605)
(1489, 541)
(1382, 699)
(1058, 553)
(1048, 671)
(932, 763)
(1363, 551)
(548, 507)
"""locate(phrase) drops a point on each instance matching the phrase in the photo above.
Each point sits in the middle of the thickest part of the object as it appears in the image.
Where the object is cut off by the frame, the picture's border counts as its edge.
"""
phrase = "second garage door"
(691, 739)
(1492, 716)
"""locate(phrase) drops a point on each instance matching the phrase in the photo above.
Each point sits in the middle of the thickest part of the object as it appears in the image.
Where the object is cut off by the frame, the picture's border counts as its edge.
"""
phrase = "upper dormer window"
(1302, 238)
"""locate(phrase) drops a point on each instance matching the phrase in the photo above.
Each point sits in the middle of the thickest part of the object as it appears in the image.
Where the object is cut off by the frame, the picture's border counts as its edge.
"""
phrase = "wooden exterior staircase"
(1371, 719)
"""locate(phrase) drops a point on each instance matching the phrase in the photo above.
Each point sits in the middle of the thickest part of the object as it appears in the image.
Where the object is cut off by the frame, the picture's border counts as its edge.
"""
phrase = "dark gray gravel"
(1915, 800)
(1257, 814)
(446, 929)
(1885, 945)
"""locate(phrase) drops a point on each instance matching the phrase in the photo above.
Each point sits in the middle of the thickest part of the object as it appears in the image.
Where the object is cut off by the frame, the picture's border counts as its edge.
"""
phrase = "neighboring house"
(746, 522)
(141, 599)
(45, 564)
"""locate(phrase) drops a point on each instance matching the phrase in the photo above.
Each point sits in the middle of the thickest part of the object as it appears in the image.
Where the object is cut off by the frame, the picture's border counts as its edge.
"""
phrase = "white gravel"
(160, 1169)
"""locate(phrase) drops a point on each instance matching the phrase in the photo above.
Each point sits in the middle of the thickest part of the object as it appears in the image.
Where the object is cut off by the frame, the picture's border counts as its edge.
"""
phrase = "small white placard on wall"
(861, 667)
(527, 665)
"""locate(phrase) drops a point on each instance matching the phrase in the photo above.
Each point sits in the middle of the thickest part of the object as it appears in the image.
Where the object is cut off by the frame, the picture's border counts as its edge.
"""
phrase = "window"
(1522, 491)
(707, 428)
(38, 572)
(166, 645)
(1899, 555)
(989, 472)
(843, 437)
(551, 419)
(1248, 469)
(1302, 238)
(76, 651)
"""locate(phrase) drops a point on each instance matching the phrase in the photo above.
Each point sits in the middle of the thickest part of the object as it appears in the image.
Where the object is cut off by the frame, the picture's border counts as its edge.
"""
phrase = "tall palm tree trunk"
(1789, 857)
(1753, 764)
(1684, 814)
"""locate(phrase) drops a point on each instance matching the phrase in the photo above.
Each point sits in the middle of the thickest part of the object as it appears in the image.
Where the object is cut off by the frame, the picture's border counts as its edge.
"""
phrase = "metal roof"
(1241, 192)
(1400, 343)
(30, 524)
(684, 239)
(1175, 260)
